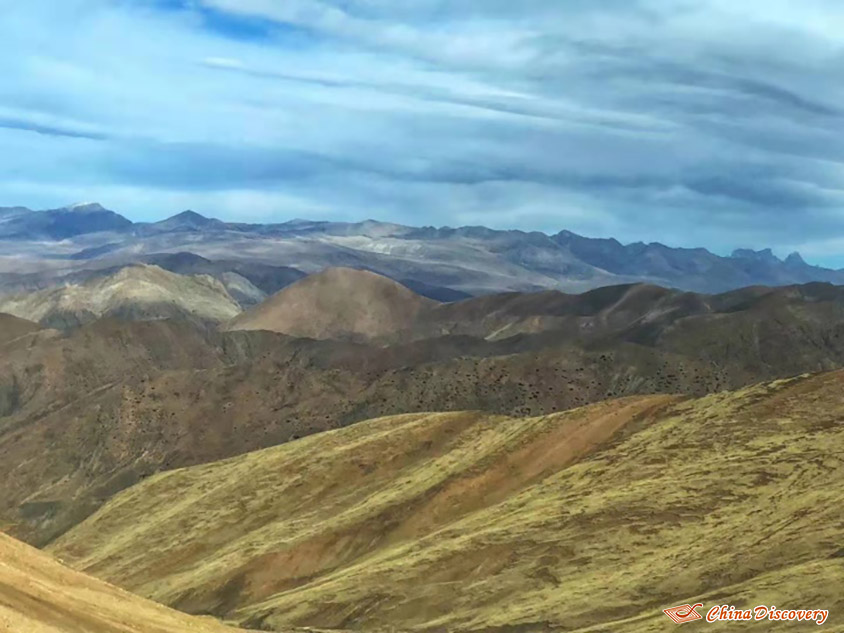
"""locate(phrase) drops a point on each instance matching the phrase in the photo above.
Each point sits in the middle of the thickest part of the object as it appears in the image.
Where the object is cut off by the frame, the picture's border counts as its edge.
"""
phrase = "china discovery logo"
(728, 613)
(684, 613)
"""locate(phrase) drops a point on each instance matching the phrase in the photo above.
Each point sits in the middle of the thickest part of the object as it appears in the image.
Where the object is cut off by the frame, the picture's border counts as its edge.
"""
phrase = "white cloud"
(641, 117)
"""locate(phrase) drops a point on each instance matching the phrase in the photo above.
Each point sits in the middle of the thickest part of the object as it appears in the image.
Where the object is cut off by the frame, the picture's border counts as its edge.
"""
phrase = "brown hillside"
(89, 413)
(62, 462)
(634, 313)
(338, 303)
(39, 595)
(591, 520)
(12, 327)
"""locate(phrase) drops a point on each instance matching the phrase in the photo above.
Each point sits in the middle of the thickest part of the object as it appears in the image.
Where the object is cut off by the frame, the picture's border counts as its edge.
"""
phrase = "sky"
(711, 123)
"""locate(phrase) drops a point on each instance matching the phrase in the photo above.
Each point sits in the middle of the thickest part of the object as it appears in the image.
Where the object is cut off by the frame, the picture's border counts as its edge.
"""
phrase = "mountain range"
(40, 249)
(91, 409)
(325, 427)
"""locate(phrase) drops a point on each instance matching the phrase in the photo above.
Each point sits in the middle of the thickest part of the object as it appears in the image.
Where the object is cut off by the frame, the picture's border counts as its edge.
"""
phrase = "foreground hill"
(39, 595)
(595, 519)
(135, 292)
(338, 303)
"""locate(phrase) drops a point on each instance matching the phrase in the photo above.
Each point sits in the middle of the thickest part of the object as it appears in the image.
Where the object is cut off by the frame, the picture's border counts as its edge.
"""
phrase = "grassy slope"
(591, 520)
(39, 595)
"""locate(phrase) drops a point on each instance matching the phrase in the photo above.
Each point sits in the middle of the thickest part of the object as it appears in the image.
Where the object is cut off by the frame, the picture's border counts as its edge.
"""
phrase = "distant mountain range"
(40, 249)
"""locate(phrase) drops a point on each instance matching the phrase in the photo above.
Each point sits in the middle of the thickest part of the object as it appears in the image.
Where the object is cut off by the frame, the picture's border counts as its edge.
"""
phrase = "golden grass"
(39, 595)
(591, 520)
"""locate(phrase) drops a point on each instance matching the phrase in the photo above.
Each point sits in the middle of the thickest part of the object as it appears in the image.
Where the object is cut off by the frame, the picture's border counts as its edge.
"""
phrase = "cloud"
(710, 123)
(38, 128)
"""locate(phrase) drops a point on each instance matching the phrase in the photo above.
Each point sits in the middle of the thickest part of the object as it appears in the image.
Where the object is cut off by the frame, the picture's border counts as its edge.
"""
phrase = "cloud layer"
(710, 123)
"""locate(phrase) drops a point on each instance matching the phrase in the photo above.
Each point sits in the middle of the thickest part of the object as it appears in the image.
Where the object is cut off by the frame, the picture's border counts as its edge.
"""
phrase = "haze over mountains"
(38, 249)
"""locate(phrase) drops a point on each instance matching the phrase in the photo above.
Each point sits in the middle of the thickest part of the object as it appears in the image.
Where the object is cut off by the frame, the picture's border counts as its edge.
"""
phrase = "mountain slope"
(12, 327)
(39, 595)
(135, 292)
(595, 519)
(248, 282)
(338, 303)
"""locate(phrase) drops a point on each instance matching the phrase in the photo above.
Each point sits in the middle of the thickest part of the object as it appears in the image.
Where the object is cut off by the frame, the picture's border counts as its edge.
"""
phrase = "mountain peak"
(188, 220)
(189, 215)
(795, 259)
(64, 222)
(86, 207)
(765, 255)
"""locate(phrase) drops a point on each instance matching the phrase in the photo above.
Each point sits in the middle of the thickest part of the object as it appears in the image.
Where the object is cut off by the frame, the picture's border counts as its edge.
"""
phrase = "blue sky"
(707, 122)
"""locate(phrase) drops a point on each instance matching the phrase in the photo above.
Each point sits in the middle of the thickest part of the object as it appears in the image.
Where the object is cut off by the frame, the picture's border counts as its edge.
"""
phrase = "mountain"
(265, 278)
(135, 292)
(40, 595)
(442, 263)
(338, 303)
(187, 221)
(57, 224)
(248, 283)
(594, 519)
(349, 304)
(87, 412)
